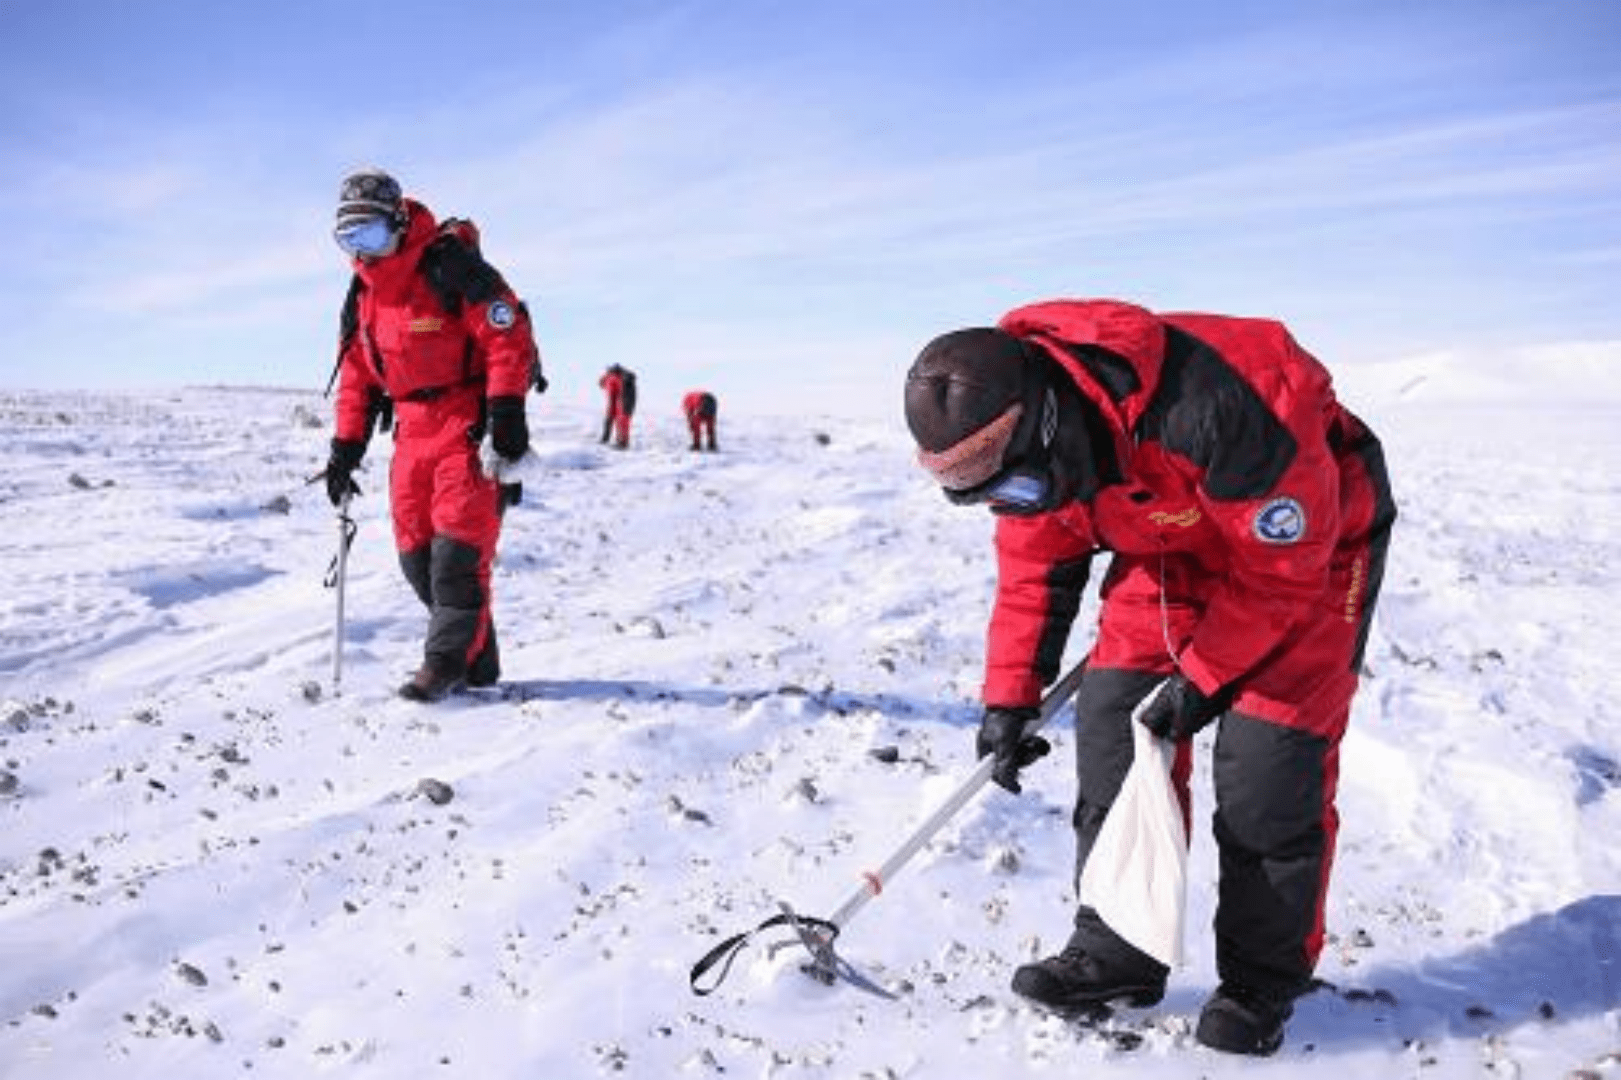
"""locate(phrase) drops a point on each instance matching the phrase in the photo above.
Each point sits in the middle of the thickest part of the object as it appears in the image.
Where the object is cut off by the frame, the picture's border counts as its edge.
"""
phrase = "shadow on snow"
(1553, 968)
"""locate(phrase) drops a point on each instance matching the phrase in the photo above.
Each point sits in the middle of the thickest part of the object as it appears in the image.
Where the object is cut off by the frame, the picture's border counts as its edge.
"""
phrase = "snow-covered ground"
(735, 679)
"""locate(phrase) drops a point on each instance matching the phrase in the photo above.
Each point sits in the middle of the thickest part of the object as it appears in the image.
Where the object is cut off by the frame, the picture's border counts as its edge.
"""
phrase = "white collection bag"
(1136, 877)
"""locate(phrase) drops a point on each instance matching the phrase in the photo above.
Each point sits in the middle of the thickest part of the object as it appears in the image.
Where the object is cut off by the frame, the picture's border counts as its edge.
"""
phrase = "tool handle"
(345, 534)
(873, 881)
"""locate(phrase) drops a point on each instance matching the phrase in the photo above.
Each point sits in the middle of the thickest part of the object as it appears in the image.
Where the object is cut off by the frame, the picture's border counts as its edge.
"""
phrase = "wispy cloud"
(682, 205)
(705, 180)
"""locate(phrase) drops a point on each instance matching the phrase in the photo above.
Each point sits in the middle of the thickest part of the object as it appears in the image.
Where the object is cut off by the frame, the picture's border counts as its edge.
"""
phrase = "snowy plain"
(735, 679)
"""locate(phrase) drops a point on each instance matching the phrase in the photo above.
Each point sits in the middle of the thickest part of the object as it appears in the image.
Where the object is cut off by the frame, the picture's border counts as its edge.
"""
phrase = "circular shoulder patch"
(501, 316)
(1280, 521)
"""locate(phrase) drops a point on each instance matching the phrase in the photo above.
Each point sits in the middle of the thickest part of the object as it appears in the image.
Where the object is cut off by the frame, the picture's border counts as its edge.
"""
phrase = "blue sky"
(783, 201)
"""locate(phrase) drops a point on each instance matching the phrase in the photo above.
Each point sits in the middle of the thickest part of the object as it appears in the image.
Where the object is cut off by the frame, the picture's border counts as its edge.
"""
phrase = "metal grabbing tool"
(817, 935)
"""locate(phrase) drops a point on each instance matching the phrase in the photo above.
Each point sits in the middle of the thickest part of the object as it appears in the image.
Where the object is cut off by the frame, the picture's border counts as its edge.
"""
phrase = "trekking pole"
(336, 578)
(816, 934)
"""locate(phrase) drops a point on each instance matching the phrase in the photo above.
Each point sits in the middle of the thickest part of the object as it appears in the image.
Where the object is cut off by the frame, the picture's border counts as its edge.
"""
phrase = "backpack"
(627, 392)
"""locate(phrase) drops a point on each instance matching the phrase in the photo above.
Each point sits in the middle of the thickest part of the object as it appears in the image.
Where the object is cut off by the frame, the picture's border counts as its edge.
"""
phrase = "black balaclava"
(966, 381)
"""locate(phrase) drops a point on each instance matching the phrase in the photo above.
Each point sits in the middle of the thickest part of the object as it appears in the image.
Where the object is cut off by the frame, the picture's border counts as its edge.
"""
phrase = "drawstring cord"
(1165, 614)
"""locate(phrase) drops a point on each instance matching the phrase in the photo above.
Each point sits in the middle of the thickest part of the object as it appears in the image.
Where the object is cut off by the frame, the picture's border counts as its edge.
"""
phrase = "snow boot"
(431, 683)
(1077, 981)
(1243, 1021)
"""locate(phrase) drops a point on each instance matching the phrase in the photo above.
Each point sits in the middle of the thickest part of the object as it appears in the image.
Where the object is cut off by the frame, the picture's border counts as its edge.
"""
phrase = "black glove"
(509, 429)
(340, 467)
(1179, 711)
(1001, 732)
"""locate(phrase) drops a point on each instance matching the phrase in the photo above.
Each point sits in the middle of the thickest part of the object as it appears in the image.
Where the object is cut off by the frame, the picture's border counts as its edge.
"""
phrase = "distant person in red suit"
(619, 383)
(700, 408)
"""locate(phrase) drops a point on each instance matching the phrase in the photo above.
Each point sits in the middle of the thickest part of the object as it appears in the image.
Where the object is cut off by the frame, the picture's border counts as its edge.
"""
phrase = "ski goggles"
(973, 471)
(1024, 489)
(366, 238)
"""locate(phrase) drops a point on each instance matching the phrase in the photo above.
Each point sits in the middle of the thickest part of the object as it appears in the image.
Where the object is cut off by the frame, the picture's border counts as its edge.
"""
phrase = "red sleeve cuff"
(1011, 691)
(1206, 681)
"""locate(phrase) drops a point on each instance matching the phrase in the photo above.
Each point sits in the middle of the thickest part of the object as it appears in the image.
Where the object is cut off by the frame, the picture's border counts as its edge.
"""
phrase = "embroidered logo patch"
(1280, 521)
(501, 316)
(1186, 519)
(427, 325)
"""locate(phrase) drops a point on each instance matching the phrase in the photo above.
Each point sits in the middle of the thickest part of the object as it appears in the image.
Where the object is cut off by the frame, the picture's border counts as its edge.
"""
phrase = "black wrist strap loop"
(349, 530)
(726, 952)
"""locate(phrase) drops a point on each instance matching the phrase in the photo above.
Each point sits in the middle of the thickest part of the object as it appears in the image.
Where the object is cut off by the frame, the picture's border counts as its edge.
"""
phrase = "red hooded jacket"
(400, 337)
(1246, 488)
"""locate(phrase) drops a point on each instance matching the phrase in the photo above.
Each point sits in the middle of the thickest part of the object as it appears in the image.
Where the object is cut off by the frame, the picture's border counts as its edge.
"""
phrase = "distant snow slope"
(735, 679)
(1579, 374)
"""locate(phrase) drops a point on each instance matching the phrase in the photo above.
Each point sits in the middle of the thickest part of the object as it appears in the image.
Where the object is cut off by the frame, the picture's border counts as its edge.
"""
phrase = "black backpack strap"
(348, 326)
(457, 272)
(537, 378)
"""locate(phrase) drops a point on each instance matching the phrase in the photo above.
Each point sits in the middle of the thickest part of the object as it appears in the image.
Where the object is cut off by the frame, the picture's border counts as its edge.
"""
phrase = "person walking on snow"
(619, 383)
(1248, 515)
(431, 332)
(699, 407)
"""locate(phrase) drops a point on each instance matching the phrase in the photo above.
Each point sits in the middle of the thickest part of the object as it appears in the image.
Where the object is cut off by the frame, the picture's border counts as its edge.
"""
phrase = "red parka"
(1241, 527)
(402, 339)
(435, 329)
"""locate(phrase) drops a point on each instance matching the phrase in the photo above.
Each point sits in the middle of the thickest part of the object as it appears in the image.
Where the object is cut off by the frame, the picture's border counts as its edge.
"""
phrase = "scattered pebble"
(305, 417)
(1382, 997)
(1124, 1041)
(646, 626)
(1004, 860)
(676, 806)
(435, 791)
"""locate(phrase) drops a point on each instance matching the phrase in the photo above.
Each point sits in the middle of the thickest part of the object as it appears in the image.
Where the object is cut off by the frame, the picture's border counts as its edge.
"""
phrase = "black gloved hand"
(340, 467)
(1177, 710)
(1001, 733)
(509, 428)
